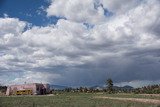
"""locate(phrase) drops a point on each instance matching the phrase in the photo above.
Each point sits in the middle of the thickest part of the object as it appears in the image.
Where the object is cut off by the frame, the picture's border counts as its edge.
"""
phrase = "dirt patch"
(150, 101)
(156, 95)
(2, 94)
(50, 95)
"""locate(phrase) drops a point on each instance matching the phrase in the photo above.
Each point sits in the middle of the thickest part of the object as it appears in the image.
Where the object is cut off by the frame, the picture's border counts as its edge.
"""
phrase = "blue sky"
(77, 43)
(32, 11)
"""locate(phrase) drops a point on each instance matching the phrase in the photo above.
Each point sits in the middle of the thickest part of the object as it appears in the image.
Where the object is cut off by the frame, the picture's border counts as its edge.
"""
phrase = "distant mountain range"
(60, 87)
(127, 87)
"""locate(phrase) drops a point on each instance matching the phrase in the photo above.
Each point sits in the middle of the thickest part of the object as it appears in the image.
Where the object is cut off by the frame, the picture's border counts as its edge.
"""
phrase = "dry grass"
(71, 100)
(149, 101)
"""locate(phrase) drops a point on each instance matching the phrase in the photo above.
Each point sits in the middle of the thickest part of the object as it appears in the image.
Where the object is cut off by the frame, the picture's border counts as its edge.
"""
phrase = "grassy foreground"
(69, 100)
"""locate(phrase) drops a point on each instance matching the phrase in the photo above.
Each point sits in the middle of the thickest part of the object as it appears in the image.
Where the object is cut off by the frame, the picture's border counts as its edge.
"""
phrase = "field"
(82, 100)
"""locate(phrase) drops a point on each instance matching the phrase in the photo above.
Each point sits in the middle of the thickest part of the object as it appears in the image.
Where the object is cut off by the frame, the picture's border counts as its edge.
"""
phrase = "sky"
(75, 43)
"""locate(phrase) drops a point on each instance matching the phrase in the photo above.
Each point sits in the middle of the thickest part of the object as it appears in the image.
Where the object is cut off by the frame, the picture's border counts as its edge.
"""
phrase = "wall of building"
(35, 87)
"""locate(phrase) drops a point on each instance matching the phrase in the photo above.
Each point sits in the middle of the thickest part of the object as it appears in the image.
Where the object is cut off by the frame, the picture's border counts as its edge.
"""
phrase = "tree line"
(150, 89)
(110, 88)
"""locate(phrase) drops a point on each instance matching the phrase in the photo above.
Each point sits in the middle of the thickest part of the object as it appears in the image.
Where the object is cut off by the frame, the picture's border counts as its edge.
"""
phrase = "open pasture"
(81, 100)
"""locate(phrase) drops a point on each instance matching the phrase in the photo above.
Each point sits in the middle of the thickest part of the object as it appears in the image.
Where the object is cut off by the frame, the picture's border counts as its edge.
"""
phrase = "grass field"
(75, 100)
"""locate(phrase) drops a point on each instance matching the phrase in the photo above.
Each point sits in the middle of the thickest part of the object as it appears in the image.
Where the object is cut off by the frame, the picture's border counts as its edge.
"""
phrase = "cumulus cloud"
(11, 25)
(89, 11)
(124, 46)
(120, 7)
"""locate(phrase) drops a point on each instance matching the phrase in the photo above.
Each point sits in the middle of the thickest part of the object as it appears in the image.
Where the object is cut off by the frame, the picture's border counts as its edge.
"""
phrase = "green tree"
(109, 84)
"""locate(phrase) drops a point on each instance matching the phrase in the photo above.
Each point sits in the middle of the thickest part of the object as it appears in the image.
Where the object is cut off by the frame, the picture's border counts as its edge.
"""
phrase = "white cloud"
(127, 43)
(77, 10)
(5, 15)
(120, 6)
(35, 77)
(11, 25)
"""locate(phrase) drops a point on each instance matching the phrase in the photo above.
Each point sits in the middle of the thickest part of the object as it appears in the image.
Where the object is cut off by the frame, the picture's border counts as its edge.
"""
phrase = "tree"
(109, 83)
(3, 88)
